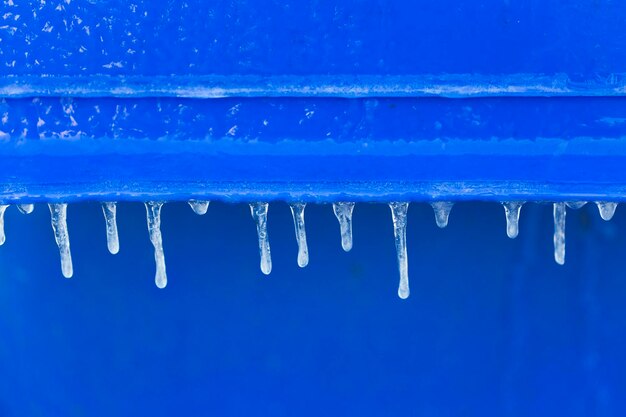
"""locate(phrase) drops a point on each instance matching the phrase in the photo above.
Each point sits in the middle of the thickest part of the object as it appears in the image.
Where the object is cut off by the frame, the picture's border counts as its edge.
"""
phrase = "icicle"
(343, 212)
(607, 209)
(259, 214)
(559, 233)
(398, 215)
(511, 211)
(58, 217)
(153, 212)
(442, 212)
(113, 242)
(297, 211)
(3, 208)
(199, 207)
(26, 208)
(575, 204)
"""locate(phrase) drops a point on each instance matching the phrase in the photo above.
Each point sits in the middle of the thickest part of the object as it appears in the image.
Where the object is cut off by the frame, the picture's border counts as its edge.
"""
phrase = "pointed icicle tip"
(153, 215)
(259, 214)
(3, 208)
(398, 215)
(58, 218)
(442, 212)
(113, 243)
(199, 207)
(343, 212)
(297, 212)
(606, 209)
(559, 212)
(26, 208)
(512, 212)
(575, 204)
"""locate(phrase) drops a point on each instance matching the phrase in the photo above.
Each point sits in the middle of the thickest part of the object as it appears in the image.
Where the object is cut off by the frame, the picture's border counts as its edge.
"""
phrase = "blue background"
(493, 326)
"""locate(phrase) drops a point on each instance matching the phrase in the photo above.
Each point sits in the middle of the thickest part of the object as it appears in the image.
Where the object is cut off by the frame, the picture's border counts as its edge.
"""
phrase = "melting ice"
(26, 208)
(442, 212)
(606, 209)
(3, 208)
(113, 242)
(297, 212)
(559, 212)
(153, 214)
(512, 211)
(58, 218)
(343, 212)
(398, 215)
(199, 207)
(259, 214)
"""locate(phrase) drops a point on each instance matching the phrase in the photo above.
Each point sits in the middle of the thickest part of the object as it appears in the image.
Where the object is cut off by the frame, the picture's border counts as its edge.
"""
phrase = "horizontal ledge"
(349, 86)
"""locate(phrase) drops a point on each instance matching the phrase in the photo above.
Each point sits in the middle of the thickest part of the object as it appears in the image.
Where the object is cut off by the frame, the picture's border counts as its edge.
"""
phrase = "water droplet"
(199, 207)
(153, 213)
(606, 209)
(113, 243)
(26, 208)
(3, 238)
(559, 212)
(58, 218)
(442, 212)
(575, 204)
(297, 211)
(259, 214)
(512, 211)
(398, 215)
(343, 212)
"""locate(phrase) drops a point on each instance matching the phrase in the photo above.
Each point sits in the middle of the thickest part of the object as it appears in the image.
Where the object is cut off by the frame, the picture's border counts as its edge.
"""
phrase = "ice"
(575, 204)
(199, 207)
(442, 212)
(259, 214)
(559, 232)
(58, 217)
(343, 212)
(3, 208)
(512, 211)
(606, 209)
(398, 215)
(153, 213)
(297, 211)
(109, 209)
(26, 208)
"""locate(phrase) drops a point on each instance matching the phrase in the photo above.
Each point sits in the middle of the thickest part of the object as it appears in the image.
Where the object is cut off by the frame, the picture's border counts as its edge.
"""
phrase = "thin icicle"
(153, 212)
(26, 208)
(199, 207)
(575, 204)
(259, 214)
(442, 212)
(113, 243)
(512, 210)
(297, 211)
(58, 217)
(398, 215)
(559, 232)
(3, 238)
(606, 209)
(343, 212)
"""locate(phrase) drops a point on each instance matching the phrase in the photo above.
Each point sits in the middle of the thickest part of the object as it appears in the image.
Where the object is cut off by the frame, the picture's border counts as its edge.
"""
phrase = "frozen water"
(109, 209)
(575, 204)
(442, 212)
(398, 215)
(512, 211)
(343, 212)
(199, 207)
(559, 232)
(259, 214)
(153, 213)
(26, 208)
(58, 217)
(606, 209)
(297, 211)
(3, 208)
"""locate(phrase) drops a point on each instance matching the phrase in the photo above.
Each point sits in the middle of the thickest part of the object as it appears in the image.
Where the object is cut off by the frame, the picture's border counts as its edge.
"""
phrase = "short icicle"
(199, 207)
(113, 243)
(58, 217)
(259, 214)
(606, 209)
(26, 208)
(343, 212)
(153, 212)
(442, 212)
(575, 204)
(297, 211)
(398, 215)
(3, 237)
(559, 232)
(512, 211)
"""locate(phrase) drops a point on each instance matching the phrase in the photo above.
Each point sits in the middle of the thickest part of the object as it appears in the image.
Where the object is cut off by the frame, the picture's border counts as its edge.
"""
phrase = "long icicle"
(442, 212)
(559, 211)
(606, 209)
(297, 212)
(3, 238)
(58, 218)
(512, 211)
(398, 215)
(113, 243)
(199, 207)
(343, 212)
(153, 214)
(259, 214)
(26, 208)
